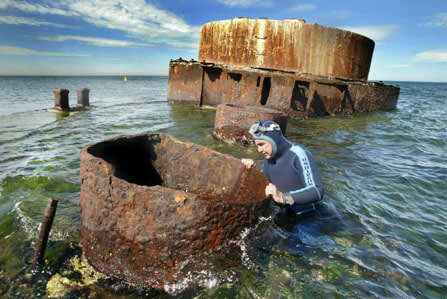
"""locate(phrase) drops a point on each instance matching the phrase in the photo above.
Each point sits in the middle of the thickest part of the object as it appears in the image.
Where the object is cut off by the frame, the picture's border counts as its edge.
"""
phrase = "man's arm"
(308, 192)
(290, 198)
(301, 196)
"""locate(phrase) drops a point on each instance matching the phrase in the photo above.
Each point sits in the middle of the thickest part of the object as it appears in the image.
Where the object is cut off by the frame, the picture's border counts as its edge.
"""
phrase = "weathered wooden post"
(61, 99)
(45, 228)
(83, 97)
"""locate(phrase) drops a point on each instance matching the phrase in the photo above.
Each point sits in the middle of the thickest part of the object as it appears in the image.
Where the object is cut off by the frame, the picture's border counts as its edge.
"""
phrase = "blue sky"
(138, 37)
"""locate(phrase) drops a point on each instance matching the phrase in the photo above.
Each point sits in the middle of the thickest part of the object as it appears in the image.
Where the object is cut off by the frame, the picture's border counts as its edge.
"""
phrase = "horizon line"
(167, 75)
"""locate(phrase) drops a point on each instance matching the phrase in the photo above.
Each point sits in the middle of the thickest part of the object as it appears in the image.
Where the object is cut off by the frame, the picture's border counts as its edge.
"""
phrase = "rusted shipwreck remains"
(152, 207)
(300, 69)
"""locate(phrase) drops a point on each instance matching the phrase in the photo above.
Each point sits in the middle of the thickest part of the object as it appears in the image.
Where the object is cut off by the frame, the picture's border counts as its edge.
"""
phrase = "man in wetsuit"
(295, 181)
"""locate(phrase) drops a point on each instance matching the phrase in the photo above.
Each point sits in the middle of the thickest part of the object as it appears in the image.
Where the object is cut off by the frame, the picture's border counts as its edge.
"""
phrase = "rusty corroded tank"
(233, 121)
(152, 206)
(303, 70)
(287, 45)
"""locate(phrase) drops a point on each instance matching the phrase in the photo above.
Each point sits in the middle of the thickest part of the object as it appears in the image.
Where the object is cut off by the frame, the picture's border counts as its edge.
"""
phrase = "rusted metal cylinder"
(61, 99)
(152, 206)
(232, 122)
(287, 45)
(83, 97)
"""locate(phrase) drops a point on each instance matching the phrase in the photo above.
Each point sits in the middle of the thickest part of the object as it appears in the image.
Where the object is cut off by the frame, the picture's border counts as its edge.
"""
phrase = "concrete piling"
(61, 99)
(61, 102)
(83, 97)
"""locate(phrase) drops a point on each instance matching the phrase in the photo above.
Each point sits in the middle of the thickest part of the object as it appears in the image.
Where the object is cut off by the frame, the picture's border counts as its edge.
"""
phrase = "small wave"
(23, 125)
(207, 278)
(32, 227)
(242, 242)
(28, 225)
(202, 278)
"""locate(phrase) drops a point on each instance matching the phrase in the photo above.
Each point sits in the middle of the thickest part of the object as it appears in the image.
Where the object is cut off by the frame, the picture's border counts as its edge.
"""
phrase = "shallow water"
(385, 177)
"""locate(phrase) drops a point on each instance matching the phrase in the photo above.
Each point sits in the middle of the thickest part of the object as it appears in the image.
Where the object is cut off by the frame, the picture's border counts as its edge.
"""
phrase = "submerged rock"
(152, 207)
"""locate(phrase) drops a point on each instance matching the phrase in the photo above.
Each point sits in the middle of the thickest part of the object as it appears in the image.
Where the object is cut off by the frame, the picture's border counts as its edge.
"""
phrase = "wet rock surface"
(152, 205)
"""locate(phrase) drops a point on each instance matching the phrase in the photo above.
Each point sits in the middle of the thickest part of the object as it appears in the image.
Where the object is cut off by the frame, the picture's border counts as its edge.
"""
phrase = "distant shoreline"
(79, 76)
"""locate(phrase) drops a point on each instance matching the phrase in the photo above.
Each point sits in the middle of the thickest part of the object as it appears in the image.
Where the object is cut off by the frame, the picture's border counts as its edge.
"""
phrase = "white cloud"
(28, 21)
(378, 32)
(245, 3)
(100, 42)
(140, 20)
(439, 20)
(303, 7)
(435, 55)
(398, 65)
(136, 18)
(19, 51)
(341, 14)
(33, 7)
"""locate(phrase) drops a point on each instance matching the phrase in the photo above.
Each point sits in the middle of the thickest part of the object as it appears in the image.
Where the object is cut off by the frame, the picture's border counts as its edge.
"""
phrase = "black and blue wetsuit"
(292, 169)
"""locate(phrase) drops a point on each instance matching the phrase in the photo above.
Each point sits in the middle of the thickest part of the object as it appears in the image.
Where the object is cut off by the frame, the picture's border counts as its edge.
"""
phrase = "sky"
(139, 37)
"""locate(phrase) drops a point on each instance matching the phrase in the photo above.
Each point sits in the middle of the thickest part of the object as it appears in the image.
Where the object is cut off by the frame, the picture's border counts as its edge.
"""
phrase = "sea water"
(385, 177)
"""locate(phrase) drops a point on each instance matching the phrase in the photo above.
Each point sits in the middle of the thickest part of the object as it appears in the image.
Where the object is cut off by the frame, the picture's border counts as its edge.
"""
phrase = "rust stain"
(131, 196)
(106, 169)
(180, 198)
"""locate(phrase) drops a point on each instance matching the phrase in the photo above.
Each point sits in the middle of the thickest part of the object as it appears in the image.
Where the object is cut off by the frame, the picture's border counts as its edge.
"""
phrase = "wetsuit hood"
(271, 132)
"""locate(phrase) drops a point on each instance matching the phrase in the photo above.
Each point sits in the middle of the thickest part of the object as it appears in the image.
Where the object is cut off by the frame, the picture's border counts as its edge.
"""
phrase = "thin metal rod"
(45, 228)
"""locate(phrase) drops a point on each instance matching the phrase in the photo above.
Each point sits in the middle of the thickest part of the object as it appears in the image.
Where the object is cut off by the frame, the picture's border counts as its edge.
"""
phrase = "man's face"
(264, 147)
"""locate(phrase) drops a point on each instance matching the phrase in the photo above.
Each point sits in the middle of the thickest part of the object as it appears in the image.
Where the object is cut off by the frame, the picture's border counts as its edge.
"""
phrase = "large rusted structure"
(152, 207)
(301, 69)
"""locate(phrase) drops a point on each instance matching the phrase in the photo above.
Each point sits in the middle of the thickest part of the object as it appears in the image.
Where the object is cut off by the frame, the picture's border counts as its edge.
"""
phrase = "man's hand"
(249, 163)
(271, 189)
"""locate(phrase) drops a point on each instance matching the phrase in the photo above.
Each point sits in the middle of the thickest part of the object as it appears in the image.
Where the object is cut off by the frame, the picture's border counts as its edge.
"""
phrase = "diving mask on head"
(258, 129)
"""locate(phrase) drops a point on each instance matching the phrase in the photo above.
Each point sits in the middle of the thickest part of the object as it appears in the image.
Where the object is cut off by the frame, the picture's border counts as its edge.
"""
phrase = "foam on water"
(202, 278)
(28, 225)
